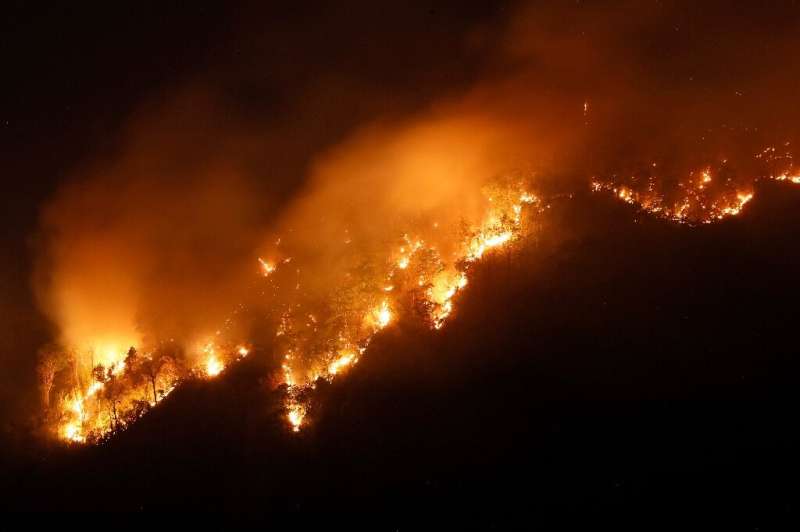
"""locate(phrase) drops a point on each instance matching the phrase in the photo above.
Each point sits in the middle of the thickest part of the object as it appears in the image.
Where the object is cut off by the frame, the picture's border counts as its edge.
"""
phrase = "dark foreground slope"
(617, 366)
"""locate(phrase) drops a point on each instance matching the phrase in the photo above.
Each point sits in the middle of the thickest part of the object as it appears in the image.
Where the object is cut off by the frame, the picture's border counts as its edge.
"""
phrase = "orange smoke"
(160, 240)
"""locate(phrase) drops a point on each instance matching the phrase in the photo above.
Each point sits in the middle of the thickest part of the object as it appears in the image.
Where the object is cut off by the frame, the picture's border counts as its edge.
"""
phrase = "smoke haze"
(364, 130)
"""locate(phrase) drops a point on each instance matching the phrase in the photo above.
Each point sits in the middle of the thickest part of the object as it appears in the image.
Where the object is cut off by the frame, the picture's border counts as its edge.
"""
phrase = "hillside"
(618, 365)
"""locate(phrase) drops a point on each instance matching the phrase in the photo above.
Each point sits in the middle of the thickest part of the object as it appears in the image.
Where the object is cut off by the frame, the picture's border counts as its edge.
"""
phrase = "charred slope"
(616, 365)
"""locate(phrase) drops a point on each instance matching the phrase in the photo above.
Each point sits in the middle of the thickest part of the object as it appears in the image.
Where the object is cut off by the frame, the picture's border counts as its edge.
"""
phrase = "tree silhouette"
(51, 361)
(148, 367)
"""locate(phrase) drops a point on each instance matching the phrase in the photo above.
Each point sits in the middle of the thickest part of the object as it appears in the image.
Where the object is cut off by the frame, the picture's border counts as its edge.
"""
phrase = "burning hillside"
(704, 196)
(321, 334)
(351, 203)
(286, 257)
(323, 330)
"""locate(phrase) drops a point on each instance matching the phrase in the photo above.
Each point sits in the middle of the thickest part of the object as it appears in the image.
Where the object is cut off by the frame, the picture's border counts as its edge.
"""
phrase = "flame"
(441, 294)
(267, 268)
(296, 414)
(344, 360)
(483, 242)
(213, 366)
(96, 411)
(428, 265)
(94, 387)
(417, 266)
(733, 210)
(382, 315)
(704, 196)
(80, 412)
(696, 199)
(786, 177)
(118, 368)
(71, 430)
(108, 350)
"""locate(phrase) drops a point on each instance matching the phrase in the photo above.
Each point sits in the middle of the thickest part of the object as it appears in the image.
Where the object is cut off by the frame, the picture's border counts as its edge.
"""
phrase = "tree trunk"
(46, 394)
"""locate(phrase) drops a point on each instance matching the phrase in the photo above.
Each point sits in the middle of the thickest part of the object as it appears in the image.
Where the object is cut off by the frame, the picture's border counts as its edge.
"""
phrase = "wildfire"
(320, 340)
(342, 362)
(71, 430)
(213, 366)
(382, 315)
(94, 387)
(267, 268)
(417, 269)
(733, 210)
(698, 199)
(704, 196)
(420, 274)
(483, 242)
(296, 414)
(786, 177)
(441, 294)
(123, 390)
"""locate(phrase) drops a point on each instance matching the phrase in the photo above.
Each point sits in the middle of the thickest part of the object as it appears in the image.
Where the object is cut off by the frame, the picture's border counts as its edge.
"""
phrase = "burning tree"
(148, 368)
(111, 391)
